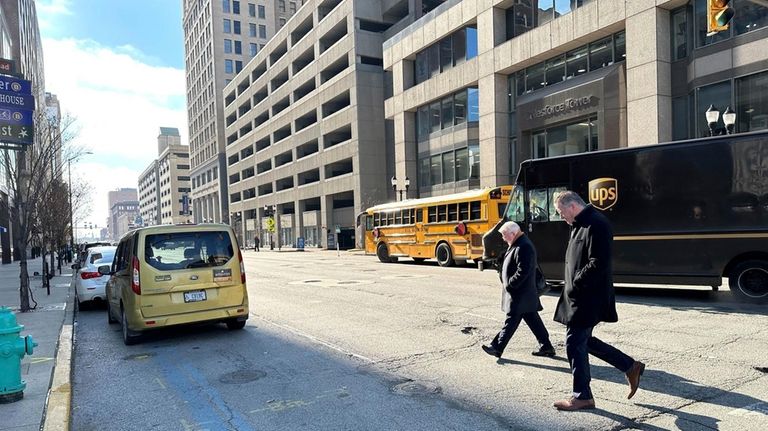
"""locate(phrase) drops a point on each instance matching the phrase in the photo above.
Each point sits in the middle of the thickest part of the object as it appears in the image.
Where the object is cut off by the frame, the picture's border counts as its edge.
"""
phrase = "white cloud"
(119, 104)
(48, 10)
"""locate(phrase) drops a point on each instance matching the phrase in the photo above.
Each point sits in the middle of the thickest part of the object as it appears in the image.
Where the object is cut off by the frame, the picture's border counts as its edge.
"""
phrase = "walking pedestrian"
(588, 299)
(519, 297)
(256, 243)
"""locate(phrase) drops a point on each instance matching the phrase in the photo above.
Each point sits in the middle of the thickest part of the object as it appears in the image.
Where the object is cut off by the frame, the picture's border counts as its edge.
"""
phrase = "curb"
(58, 403)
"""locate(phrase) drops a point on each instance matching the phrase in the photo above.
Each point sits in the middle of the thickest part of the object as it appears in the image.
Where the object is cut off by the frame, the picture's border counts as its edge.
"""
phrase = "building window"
(700, 14)
(281, 22)
(238, 47)
(252, 30)
(292, 7)
(600, 53)
(262, 12)
(225, 6)
(227, 46)
(750, 15)
(435, 169)
(227, 26)
(251, 10)
(446, 53)
(238, 66)
(577, 137)
(254, 49)
(236, 7)
(717, 95)
(228, 66)
(679, 32)
(752, 102)
(236, 27)
(281, 5)
(473, 105)
(262, 31)
(449, 167)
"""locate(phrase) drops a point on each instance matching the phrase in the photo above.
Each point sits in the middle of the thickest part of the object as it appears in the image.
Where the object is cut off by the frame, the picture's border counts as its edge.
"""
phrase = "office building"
(120, 201)
(479, 86)
(220, 37)
(164, 187)
(305, 131)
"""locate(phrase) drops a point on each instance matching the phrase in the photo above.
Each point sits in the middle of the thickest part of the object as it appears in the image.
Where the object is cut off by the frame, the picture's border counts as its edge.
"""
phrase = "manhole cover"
(242, 376)
(138, 356)
(416, 388)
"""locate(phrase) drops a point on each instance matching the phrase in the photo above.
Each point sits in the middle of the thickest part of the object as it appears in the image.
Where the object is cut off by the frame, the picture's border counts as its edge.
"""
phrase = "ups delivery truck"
(685, 213)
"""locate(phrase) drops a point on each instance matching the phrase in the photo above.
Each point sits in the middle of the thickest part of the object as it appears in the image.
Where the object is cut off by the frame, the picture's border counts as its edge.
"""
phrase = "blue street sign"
(11, 133)
(14, 85)
(19, 101)
(21, 117)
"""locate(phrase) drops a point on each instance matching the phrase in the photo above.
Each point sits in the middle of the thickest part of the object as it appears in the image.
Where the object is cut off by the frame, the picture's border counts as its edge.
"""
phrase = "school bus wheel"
(444, 254)
(382, 252)
(748, 281)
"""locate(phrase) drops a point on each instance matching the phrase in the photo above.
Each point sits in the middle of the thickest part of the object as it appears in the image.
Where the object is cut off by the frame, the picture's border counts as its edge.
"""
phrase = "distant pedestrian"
(588, 299)
(256, 243)
(519, 297)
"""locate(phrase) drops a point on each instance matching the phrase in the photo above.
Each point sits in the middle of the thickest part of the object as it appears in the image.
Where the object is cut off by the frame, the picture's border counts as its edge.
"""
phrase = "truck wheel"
(444, 255)
(383, 254)
(748, 281)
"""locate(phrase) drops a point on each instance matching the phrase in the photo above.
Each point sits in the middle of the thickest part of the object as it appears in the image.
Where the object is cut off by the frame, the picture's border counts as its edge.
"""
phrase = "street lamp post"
(712, 115)
(729, 119)
(406, 183)
(71, 214)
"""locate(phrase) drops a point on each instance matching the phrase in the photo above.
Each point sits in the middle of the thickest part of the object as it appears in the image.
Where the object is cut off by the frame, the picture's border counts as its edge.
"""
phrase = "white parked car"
(89, 284)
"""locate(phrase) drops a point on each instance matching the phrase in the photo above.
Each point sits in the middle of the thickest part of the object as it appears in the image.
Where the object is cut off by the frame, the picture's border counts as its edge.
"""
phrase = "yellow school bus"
(448, 228)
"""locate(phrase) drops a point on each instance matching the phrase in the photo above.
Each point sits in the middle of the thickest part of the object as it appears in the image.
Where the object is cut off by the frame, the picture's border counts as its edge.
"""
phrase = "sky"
(117, 67)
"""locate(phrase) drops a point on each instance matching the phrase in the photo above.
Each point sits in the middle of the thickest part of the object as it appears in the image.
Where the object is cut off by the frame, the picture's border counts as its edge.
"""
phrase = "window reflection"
(752, 102)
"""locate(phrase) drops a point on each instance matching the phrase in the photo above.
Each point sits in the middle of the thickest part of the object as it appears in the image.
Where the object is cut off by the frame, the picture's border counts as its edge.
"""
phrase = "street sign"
(7, 66)
(16, 134)
(338, 228)
(19, 101)
(15, 85)
(271, 225)
(185, 204)
(21, 117)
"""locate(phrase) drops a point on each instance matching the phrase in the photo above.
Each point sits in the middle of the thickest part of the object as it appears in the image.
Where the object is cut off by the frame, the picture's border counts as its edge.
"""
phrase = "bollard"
(12, 350)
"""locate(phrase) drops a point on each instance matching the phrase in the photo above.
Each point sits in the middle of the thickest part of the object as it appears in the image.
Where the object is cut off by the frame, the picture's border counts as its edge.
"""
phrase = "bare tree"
(34, 176)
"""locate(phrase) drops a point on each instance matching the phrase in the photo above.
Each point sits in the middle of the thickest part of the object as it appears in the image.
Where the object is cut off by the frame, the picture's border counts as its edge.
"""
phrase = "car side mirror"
(105, 270)
(75, 266)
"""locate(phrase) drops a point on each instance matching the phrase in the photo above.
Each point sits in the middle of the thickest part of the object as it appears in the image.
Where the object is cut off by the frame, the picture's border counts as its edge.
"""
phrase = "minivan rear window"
(183, 250)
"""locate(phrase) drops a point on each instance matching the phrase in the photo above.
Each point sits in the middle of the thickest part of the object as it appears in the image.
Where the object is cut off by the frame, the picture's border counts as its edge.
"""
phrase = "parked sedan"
(89, 284)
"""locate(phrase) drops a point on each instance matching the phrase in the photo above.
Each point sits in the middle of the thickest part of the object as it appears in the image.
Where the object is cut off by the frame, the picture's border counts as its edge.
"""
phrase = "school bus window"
(515, 208)
(398, 217)
(501, 207)
(474, 210)
(432, 215)
(407, 216)
(391, 218)
(369, 223)
(453, 212)
(537, 201)
(553, 215)
(442, 213)
(419, 215)
(464, 211)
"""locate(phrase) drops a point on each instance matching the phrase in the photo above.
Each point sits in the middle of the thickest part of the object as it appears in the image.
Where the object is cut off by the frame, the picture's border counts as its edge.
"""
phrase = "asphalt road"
(346, 342)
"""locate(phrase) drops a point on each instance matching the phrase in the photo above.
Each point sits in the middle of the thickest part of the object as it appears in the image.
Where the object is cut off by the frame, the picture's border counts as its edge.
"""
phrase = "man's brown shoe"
(574, 404)
(633, 377)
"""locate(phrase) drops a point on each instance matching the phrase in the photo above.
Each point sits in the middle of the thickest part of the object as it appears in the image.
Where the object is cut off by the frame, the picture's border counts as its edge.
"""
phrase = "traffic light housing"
(719, 14)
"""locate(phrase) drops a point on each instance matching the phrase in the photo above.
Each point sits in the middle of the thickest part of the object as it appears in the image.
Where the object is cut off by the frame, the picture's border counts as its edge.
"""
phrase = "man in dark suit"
(519, 297)
(588, 299)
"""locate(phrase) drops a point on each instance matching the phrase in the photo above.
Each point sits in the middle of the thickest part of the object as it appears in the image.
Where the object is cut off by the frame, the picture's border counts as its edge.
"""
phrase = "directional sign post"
(17, 107)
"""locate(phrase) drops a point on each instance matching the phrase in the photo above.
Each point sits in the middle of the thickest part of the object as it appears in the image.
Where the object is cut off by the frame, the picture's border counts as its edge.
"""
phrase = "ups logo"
(603, 193)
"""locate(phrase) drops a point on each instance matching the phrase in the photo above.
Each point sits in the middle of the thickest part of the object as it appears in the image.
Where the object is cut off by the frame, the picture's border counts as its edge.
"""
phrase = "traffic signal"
(719, 14)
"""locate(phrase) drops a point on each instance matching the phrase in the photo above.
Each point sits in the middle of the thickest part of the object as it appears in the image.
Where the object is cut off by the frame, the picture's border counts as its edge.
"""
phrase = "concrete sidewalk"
(50, 324)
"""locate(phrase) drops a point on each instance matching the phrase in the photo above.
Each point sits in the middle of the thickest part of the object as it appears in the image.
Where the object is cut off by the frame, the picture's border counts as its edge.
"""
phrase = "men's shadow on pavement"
(661, 382)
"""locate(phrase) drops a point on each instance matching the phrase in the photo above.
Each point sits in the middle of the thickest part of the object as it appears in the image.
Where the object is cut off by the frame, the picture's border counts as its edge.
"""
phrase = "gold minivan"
(176, 274)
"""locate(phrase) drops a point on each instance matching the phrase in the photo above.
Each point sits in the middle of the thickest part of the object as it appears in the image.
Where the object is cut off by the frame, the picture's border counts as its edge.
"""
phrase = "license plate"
(194, 296)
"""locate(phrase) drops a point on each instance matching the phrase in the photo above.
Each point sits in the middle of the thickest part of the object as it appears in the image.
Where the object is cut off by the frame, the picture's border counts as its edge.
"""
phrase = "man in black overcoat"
(519, 297)
(588, 299)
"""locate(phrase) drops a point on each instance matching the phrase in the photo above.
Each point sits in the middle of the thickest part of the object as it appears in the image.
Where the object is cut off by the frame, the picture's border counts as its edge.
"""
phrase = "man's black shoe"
(491, 351)
(547, 351)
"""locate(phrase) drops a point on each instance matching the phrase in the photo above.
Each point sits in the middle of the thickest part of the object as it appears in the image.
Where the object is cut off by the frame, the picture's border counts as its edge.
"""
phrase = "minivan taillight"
(135, 280)
(242, 266)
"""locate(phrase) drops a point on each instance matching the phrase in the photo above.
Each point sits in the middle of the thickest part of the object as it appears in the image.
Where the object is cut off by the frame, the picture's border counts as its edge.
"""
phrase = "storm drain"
(416, 388)
(242, 376)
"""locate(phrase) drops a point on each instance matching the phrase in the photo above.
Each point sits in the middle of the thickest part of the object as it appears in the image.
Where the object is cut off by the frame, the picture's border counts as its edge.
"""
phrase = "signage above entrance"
(566, 106)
